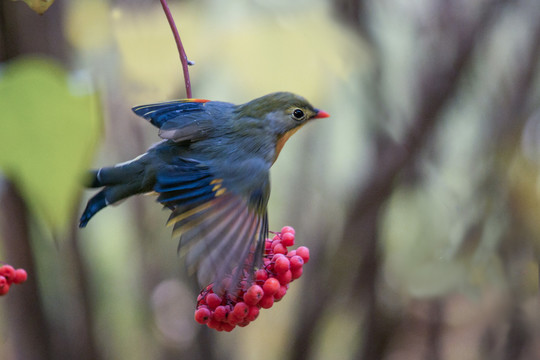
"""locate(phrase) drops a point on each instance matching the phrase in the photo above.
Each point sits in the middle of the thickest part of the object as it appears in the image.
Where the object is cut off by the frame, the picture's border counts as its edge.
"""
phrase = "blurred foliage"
(50, 125)
(39, 6)
(419, 197)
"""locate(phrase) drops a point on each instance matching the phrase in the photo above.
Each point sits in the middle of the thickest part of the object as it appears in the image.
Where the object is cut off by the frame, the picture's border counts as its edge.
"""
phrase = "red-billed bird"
(212, 170)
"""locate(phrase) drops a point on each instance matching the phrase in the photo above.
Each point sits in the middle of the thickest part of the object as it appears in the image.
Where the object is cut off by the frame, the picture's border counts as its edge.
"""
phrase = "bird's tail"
(118, 182)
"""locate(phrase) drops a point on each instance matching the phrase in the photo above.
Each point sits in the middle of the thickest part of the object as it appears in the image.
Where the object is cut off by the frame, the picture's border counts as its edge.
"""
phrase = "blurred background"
(419, 198)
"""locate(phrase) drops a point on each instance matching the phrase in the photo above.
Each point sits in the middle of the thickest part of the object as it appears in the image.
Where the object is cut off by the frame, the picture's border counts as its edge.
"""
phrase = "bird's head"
(281, 113)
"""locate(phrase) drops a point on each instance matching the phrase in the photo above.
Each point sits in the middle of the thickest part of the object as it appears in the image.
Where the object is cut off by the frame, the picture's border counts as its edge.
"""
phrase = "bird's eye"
(298, 114)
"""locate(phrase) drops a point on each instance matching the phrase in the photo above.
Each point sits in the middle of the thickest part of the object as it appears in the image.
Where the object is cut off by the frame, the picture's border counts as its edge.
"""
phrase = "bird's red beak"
(321, 114)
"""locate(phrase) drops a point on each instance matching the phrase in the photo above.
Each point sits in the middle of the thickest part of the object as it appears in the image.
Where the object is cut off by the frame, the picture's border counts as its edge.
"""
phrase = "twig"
(181, 51)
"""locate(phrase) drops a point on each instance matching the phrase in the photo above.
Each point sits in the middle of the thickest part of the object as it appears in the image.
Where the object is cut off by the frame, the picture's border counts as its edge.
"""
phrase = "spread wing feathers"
(178, 120)
(221, 232)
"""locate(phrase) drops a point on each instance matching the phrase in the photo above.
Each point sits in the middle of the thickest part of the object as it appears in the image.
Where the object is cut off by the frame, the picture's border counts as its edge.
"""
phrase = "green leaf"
(39, 6)
(49, 126)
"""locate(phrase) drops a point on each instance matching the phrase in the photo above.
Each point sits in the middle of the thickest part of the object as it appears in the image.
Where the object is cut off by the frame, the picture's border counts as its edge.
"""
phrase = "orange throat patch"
(282, 140)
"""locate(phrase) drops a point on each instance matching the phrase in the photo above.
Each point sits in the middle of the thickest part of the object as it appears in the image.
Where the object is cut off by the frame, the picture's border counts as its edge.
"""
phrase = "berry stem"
(181, 51)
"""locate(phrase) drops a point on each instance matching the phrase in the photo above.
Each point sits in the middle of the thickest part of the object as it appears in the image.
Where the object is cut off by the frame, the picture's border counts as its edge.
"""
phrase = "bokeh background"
(419, 198)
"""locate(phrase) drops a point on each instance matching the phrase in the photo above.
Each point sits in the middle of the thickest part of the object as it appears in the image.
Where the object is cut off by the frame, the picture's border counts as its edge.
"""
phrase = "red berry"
(296, 262)
(202, 315)
(8, 272)
(213, 300)
(285, 278)
(4, 285)
(261, 275)
(214, 324)
(268, 245)
(287, 229)
(291, 253)
(267, 301)
(287, 239)
(271, 286)
(296, 273)
(20, 276)
(220, 313)
(282, 264)
(275, 243)
(233, 319)
(280, 249)
(277, 256)
(253, 295)
(200, 298)
(4, 289)
(252, 313)
(303, 252)
(227, 327)
(241, 310)
(281, 292)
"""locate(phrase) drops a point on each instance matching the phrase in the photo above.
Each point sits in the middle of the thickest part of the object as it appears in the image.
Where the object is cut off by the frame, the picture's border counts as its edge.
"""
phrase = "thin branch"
(181, 51)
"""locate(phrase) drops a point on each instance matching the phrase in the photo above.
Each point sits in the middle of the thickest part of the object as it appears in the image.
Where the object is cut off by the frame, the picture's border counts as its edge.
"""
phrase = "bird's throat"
(282, 140)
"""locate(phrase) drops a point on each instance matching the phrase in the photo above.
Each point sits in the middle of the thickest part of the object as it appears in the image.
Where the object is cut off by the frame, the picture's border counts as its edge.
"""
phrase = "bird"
(211, 170)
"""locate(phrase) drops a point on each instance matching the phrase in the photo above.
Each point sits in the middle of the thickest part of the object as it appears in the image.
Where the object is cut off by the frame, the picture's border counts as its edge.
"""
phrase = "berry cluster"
(8, 276)
(270, 284)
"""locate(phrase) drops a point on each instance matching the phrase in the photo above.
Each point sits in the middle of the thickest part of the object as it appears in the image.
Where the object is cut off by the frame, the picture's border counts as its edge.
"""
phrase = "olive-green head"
(281, 111)
(280, 114)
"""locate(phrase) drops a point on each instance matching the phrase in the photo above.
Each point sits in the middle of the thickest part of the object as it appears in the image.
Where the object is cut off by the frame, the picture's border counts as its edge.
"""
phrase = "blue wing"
(221, 229)
(179, 120)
